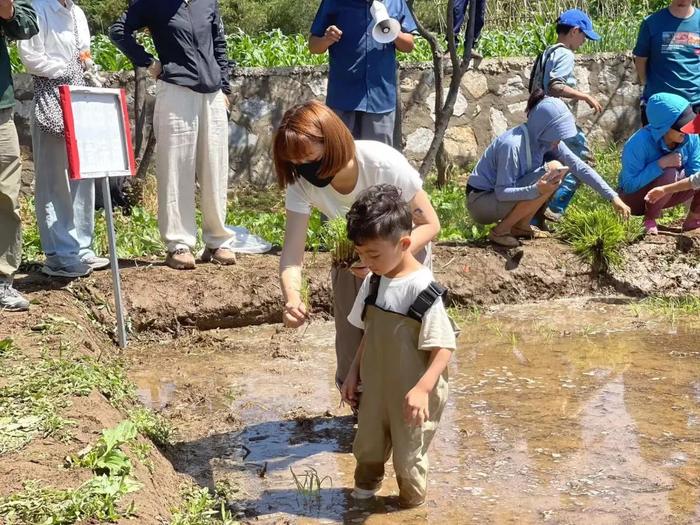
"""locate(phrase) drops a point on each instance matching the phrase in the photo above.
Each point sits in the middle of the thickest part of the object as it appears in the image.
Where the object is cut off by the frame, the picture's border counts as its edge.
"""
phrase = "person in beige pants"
(401, 364)
(17, 21)
(190, 122)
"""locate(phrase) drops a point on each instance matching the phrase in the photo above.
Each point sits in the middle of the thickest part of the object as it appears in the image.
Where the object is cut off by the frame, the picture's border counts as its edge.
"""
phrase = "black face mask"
(309, 171)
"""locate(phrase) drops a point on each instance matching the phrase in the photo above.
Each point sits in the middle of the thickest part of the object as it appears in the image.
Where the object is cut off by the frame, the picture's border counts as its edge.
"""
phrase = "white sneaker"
(359, 493)
(10, 299)
(71, 271)
(96, 263)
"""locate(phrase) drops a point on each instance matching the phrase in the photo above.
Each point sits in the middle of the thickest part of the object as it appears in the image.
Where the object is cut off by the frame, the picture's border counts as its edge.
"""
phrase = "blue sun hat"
(577, 18)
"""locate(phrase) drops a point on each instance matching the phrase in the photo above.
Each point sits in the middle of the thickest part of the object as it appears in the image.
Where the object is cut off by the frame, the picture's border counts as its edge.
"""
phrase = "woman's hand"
(333, 35)
(655, 194)
(294, 314)
(550, 181)
(621, 208)
(415, 406)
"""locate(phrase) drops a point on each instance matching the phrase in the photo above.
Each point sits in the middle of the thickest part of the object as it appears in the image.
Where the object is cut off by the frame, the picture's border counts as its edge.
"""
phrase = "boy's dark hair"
(379, 213)
(563, 29)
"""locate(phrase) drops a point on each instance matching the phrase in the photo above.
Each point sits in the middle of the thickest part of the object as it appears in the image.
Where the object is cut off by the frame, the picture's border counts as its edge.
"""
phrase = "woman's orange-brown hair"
(304, 125)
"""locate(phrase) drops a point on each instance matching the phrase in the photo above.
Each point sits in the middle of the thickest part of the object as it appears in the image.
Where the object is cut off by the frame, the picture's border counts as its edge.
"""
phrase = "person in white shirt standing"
(321, 166)
(65, 209)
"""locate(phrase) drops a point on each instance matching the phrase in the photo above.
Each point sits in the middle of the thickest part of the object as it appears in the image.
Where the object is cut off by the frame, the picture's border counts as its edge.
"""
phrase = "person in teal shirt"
(667, 54)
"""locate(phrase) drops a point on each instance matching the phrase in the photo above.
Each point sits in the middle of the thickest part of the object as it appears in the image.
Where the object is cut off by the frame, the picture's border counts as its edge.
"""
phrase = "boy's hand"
(655, 194)
(348, 391)
(593, 103)
(333, 34)
(415, 407)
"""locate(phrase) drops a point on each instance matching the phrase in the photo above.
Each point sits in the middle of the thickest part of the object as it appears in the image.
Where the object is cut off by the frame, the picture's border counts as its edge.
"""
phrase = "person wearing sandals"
(321, 166)
(65, 209)
(511, 181)
(190, 121)
(17, 21)
(661, 154)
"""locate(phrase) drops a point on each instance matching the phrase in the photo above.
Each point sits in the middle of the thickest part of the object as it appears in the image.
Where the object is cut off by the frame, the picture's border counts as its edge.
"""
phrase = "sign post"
(98, 144)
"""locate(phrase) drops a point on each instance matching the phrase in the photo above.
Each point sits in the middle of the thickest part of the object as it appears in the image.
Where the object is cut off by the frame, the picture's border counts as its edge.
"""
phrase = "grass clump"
(97, 499)
(35, 393)
(200, 507)
(598, 236)
(152, 425)
(672, 306)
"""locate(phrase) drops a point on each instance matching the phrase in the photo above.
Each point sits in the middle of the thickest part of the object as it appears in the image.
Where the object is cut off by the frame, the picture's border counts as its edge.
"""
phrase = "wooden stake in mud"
(98, 145)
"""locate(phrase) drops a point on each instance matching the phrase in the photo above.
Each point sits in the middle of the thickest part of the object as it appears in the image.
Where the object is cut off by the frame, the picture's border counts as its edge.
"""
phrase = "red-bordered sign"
(97, 131)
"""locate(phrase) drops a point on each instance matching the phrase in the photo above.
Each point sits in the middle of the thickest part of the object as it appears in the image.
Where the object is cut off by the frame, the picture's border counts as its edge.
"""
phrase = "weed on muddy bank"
(200, 507)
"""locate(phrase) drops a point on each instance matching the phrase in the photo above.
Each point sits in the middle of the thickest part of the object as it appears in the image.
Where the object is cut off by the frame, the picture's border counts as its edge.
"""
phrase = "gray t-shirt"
(560, 66)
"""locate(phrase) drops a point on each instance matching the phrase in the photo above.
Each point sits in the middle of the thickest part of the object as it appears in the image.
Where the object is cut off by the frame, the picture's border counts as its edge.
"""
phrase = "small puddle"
(571, 412)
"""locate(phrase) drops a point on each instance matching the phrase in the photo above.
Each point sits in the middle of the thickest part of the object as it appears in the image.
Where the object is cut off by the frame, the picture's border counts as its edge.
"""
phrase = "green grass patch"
(97, 499)
(152, 425)
(672, 306)
(599, 236)
(37, 391)
(200, 507)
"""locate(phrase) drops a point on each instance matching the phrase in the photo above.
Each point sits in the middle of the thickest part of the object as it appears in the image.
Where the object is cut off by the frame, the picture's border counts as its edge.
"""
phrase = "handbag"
(47, 103)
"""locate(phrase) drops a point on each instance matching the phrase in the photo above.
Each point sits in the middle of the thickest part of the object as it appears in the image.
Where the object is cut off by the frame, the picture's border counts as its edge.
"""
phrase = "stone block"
(461, 145)
(475, 84)
(419, 141)
(460, 103)
(498, 122)
(512, 87)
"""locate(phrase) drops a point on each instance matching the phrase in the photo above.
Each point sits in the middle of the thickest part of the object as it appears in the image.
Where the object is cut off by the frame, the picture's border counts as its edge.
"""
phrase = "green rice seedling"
(309, 484)
(598, 236)
(335, 237)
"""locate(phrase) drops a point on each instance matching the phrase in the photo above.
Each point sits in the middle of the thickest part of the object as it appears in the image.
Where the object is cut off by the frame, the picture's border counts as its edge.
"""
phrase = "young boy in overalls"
(402, 360)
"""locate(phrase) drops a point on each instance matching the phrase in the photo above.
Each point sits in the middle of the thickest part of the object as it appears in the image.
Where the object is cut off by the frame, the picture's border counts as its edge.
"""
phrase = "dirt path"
(163, 300)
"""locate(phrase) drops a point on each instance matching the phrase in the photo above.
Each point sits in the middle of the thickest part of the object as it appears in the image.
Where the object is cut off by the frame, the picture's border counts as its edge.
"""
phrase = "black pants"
(645, 120)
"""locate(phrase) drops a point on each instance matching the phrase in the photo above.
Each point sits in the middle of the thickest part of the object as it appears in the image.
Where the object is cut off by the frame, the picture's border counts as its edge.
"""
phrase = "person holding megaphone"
(361, 37)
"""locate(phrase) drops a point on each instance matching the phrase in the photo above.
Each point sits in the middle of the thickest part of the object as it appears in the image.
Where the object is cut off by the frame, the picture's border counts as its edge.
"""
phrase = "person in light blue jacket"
(661, 153)
(511, 181)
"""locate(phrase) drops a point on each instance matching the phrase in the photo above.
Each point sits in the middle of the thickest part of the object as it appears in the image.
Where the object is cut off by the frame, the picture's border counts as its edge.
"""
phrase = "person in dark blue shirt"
(189, 121)
(362, 72)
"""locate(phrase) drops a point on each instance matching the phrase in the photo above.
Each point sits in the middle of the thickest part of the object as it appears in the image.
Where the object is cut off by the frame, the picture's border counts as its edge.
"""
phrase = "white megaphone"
(385, 29)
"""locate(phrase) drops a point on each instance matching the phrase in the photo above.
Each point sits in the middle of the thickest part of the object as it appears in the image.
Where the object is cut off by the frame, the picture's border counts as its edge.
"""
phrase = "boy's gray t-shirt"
(560, 66)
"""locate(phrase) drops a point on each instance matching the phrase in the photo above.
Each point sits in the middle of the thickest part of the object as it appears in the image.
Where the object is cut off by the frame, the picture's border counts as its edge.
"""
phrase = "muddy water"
(575, 412)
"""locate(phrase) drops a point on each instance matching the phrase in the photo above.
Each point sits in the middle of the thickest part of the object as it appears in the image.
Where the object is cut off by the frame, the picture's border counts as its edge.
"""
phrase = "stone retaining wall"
(491, 99)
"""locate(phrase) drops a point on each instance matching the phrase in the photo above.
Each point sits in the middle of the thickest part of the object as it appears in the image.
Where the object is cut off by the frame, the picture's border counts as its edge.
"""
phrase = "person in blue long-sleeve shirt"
(190, 121)
(511, 182)
(661, 153)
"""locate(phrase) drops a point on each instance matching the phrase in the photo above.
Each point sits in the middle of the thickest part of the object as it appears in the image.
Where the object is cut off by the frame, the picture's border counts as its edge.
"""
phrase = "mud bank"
(160, 299)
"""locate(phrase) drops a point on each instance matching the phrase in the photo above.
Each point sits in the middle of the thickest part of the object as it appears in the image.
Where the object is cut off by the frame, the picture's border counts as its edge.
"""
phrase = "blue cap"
(577, 18)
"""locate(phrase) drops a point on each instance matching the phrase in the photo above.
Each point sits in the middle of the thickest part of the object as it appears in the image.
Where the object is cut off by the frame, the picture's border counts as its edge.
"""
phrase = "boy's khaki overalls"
(392, 365)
